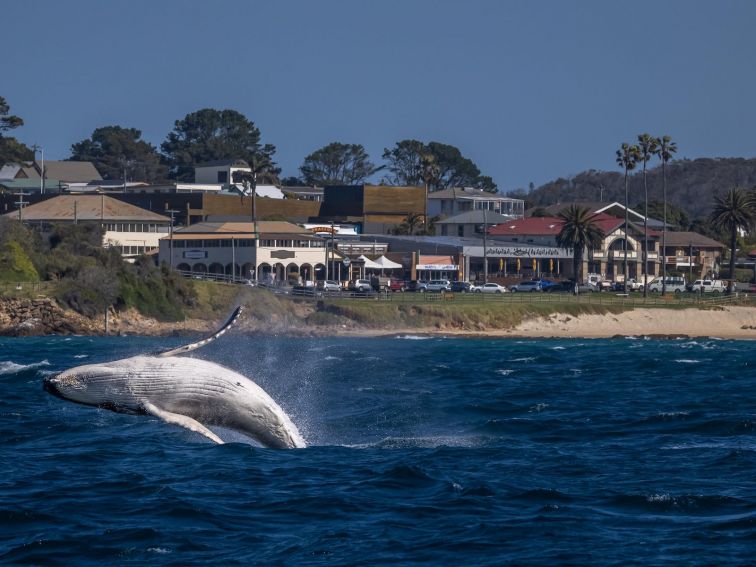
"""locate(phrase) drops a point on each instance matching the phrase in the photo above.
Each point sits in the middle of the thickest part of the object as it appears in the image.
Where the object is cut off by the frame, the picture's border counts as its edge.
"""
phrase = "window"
(223, 177)
(460, 230)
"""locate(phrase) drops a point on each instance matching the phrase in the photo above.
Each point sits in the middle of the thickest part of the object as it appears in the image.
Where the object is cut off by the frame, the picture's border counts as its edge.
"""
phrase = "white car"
(490, 288)
(361, 286)
(329, 285)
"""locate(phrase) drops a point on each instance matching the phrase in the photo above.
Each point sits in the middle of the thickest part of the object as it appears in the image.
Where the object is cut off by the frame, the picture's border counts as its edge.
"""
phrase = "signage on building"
(439, 267)
(527, 252)
(328, 229)
(195, 254)
(282, 254)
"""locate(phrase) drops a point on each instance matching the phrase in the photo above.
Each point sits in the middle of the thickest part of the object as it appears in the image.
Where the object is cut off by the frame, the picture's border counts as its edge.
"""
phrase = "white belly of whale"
(186, 391)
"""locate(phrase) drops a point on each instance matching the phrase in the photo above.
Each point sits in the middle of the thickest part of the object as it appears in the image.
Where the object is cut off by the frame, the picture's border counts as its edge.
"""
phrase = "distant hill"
(691, 184)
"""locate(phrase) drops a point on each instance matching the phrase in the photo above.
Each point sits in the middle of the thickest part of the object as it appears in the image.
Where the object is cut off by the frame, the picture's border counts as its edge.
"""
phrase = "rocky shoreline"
(43, 316)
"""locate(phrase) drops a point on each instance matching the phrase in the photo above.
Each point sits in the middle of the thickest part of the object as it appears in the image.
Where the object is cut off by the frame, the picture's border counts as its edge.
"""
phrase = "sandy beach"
(726, 323)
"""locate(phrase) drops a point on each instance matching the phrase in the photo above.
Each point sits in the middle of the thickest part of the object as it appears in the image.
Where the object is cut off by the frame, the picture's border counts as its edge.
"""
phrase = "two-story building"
(456, 200)
(267, 251)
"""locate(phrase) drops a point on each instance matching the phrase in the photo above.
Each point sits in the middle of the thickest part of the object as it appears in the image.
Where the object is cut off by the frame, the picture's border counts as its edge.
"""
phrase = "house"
(132, 230)
(455, 200)
(63, 171)
(267, 251)
(692, 253)
(471, 223)
(220, 172)
(304, 193)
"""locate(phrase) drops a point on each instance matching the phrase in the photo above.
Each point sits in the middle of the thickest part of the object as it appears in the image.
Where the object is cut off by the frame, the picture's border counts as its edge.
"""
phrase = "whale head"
(91, 384)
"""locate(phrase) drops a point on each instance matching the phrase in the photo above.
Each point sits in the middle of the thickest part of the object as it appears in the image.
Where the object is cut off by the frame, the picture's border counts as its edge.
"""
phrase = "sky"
(529, 90)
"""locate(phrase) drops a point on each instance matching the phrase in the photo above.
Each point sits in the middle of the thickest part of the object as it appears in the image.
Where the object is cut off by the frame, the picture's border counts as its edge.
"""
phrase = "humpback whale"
(189, 392)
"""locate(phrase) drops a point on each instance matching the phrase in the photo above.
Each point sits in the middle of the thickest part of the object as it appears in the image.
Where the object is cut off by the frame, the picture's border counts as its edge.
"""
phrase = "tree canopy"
(113, 149)
(209, 135)
(337, 164)
(438, 165)
(11, 150)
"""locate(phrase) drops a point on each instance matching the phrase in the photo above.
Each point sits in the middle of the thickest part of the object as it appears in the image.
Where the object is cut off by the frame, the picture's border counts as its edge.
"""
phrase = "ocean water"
(428, 451)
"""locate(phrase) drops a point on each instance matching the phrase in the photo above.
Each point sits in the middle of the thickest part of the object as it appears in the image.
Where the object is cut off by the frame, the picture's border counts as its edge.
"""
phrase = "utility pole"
(170, 239)
(20, 203)
(42, 175)
(333, 267)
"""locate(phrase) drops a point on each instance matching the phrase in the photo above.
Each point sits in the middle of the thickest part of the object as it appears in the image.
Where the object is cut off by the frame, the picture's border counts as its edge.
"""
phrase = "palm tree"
(579, 231)
(627, 157)
(647, 146)
(732, 212)
(665, 149)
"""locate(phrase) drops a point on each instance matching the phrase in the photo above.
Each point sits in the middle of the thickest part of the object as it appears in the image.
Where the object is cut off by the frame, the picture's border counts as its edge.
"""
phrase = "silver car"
(439, 285)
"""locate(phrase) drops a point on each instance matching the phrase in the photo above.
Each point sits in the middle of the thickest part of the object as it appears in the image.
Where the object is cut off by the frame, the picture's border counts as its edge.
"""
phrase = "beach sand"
(726, 323)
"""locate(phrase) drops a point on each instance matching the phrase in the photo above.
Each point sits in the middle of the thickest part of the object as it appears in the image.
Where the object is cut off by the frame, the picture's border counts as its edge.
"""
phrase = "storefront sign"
(527, 252)
(195, 254)
(328, 229)
(437, 267)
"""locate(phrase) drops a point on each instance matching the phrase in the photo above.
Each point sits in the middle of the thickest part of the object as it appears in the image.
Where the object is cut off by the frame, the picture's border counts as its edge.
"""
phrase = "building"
(64, 172)
(132, 230)
(607, 260)
(471, 223)
(456, 200)
(304, 193)
(220, 172)
(692, 253)
(268, 251)
(614, 209)
(377, 208)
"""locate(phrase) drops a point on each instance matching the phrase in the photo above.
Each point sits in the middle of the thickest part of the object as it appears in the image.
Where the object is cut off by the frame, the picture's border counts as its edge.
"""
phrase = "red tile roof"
(549, 226)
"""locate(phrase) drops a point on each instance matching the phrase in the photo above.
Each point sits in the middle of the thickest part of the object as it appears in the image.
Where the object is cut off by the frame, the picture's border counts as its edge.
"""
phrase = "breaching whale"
(189, 392)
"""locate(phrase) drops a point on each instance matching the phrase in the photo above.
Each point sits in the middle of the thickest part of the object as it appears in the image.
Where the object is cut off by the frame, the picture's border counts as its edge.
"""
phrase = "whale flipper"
(182, 420)
(191, 346)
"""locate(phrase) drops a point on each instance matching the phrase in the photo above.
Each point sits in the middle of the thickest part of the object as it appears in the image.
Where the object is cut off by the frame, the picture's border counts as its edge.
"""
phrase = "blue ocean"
(422, 451)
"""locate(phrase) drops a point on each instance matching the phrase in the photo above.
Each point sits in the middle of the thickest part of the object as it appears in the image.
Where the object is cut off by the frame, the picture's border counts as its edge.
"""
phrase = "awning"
(387, 264)
(369, 264)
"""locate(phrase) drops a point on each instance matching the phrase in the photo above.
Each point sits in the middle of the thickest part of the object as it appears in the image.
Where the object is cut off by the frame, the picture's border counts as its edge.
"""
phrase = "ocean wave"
(687, 361)
(413, 338)
(10, 367)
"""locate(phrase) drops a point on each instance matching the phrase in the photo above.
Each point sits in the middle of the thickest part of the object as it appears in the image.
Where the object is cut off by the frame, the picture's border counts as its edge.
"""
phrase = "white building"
(455, 200)
(272, 251)
(132, 230)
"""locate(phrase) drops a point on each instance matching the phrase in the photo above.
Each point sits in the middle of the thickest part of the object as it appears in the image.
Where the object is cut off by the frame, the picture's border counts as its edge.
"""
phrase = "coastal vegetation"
(87, 277)
(578, 233)
(734, 211)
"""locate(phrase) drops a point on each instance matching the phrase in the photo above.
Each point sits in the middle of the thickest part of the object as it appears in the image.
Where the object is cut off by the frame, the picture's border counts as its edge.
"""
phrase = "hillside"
(691, 184)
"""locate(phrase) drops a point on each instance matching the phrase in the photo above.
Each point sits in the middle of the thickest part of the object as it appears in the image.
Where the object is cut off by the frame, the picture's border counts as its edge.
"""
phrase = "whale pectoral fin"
(182, 420)
(192, 346)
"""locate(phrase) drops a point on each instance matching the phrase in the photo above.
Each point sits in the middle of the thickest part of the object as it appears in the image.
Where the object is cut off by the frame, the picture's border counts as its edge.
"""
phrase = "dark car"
(461, 287)
(569, 287)
(418, 285)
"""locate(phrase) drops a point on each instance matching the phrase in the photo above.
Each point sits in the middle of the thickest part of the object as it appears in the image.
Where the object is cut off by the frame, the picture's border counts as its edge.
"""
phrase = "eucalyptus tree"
(11, 150)
(579, 231)
(665, 149)
(338, 164)
(627, 157)
(647, 147)
(735, 210)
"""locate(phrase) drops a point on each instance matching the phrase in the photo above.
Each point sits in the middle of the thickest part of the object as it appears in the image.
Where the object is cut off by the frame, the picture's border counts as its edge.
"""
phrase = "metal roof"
(67, 208)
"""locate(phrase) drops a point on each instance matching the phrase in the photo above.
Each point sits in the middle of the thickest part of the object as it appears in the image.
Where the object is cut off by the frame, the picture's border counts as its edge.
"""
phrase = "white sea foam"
(558, 348)
(81, 356)
(413, 338)
(524, 359)
(687, 361)
(538, 407)
(329, 357)
(9, 367)
(504, 371)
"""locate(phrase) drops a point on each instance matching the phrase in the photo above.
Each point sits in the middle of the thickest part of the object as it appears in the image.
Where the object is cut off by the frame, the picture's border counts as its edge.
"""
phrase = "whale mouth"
(49, 386)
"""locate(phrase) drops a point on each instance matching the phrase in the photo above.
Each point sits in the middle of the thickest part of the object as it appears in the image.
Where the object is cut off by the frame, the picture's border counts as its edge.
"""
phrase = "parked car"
(491, 288)
(418, 285)
(439, 285)
(708, 286)
(569, 287)
(461, 287)
(673, 284)
(397, 285)
(360, 285)
(633, 285)
(529, 286)
(329, 285)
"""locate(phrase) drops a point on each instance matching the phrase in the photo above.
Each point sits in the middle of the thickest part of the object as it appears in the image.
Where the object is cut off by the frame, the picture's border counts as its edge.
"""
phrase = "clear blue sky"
(529, 90)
